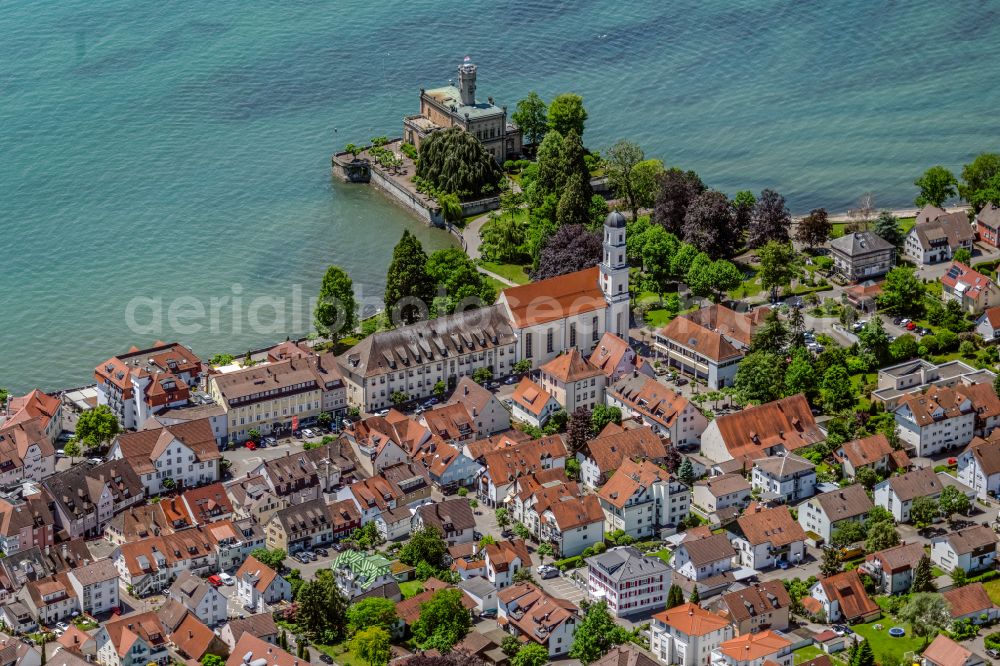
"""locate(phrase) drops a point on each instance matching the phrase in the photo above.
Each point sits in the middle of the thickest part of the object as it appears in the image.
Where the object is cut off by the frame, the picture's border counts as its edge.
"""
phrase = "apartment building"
(573, 381)
(628, 581)
(669, 414)
(640, 498)
(167, 457)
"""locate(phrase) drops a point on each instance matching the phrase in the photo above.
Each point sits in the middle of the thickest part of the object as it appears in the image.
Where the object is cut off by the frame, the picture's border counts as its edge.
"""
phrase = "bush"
(947, 341)
(409, 150)
(930, 343)
(569, 563)
(993, 641)
(967, 349)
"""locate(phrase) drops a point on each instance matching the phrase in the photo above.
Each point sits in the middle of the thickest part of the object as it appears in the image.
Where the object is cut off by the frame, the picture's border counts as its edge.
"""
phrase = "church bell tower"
(614, 274)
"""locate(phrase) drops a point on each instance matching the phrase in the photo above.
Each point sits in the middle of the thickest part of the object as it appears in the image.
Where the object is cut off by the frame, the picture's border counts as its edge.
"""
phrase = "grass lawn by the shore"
(905, 223)
(411, 588)
(512, 272)
(884, 644)
(811, 652)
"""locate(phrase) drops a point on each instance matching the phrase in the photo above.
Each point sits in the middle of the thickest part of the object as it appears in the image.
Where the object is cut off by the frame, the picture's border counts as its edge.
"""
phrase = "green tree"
(602, 415)
(902, 292)
(443, 621)
(874, 340)
(578, 429)
(72, 449)
(769, 221)
(686, 472)
(959, 577)
(814, 229)
(923, 578)
(658, 250)
(440, 388)
(695, 597)
(937, 185)
(566, 113)
(725, 277)
(272, 558)
(336, 310)
(451, 208)
(373, 646)
(551, 168)
(322, 609)
(903, 348)
(699, 276)
(596, 633)
(210, 660)
(425, 545)
(503, 518)
(456, 162)
(545, 550)
(962, 256)
(778, 265)
(927, 614)
(863, 656)
(510, 645)
(645, 175)
(800, 376)
(981, 180)
(220, 359)
(880, 537)
(837, 391)
(522, 366)
(847, 534)
(760, 378)
(772, 336)
(372, 612)
(574, 200)
(886, 226)
(923, 512)
(867, 477)
(97, 426)
(462, 285)
(952, 501)
(675, 596)
(831, 563)
(531, 116)
(409, 289)
(622, 158)
(531, 654)
(743, 205)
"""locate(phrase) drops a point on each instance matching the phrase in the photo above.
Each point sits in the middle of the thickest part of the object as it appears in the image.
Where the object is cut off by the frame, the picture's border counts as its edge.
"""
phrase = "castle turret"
(467, 83)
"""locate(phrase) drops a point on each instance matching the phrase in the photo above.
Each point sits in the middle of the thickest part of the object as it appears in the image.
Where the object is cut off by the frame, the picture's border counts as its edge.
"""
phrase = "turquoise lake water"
(166, 150)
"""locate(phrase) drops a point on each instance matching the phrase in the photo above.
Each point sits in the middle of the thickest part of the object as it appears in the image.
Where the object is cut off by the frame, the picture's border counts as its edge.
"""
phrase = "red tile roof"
(757, 432)
(847, 590)
(692, 619)
(555, 298)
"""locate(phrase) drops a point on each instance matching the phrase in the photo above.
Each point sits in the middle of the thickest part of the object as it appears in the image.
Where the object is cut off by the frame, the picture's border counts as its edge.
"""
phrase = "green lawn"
(497, 285)
(905, 223)
(512, 272)
(884, 644)
(993, 589)
(411, 588)
(658, 318)
(340, 654)
(665, 555)
(811, 652)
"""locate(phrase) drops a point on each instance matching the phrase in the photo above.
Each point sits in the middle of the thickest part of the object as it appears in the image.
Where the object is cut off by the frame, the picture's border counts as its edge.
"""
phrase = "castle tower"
(467, 83)
(614, 274)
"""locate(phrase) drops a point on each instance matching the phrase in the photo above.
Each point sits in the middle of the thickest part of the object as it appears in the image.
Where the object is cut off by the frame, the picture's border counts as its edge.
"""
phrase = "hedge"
(569, 563)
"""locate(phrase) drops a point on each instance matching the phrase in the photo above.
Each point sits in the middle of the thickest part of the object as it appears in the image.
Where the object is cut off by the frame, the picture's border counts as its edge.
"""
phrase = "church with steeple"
(574, 310)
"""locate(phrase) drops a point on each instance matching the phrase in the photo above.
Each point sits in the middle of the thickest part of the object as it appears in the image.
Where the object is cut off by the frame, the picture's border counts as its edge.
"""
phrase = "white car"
(227, 579)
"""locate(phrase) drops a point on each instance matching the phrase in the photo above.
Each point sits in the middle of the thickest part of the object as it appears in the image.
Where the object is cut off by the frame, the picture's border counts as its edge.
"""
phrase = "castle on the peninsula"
(456, 106)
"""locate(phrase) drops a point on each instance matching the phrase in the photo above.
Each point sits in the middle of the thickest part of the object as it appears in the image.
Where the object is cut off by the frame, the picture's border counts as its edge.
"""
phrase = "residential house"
(988, 324)
(50, 599)
(345, 517)
(193, 639)
(985, 403)
(769, 537)
(216, 415)
(572, 524)
(668, 413)
(988, 224)
(503, 466)
(18, 653)
(781, 426)
(534, 493)
(335, 463)
(95, 585)
(532, 615)
(451, 518)
(971, 289)
(892, 569)
(945, 652)
(873, 452)
(140, 522)
(628, 581)
(920, 376)
(25, 523)
(208, 504)
(293, 477)
(787, 478)
(277, 397)
(481, 591)
(258, 586)
(641, 498)
(485, 407)
(979, 467)
(573, 381)
(260, 625)
(76, 642)
(709, 343)
(898, 492)
(942, 419)
(137, 639)
(451, 423)
(414, 358)
(357, 573)
(448, 467)
(973, 603)
(408, 610)
(616, 358)
(824, 514)
(604, 454)
(687, 635)
(972, 549)
(300, 527)
(43, 409)
(759, 607)
(625, 655)
(503, 560)
(251, 649)
(253, 498)
(939, 238)
(381, 441)
(235, 540)
(142, 382)
(149, 565)
(17, 617)
(861, 255)
(700, 559)
(767, 647)
(728, 491)
(395, 524)
(26, 454)
(532, 404)
(200, 598)
(167, 457)
(843, 598)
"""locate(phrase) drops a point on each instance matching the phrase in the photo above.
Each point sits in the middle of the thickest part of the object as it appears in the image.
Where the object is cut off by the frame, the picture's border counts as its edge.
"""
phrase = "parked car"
(227, 579)
(681, 381)
(215, 580)
(547, 571)
(322, 552)
(271, 441)
(298, 434)
(325, 658)
(299, 557)
(493, 385)
(488, 613)
(510, 380)
(62, 626)
(993, 652)
(95, 461)
(251, 446)
(60, 453)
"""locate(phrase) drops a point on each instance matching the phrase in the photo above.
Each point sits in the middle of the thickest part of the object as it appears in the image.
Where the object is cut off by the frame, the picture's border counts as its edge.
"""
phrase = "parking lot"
(563, 588)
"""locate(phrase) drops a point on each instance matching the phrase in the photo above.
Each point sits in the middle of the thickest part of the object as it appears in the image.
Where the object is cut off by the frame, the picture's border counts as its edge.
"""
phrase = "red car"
(911, 326)
(251, 446)
(952, 461)
(215, 581)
